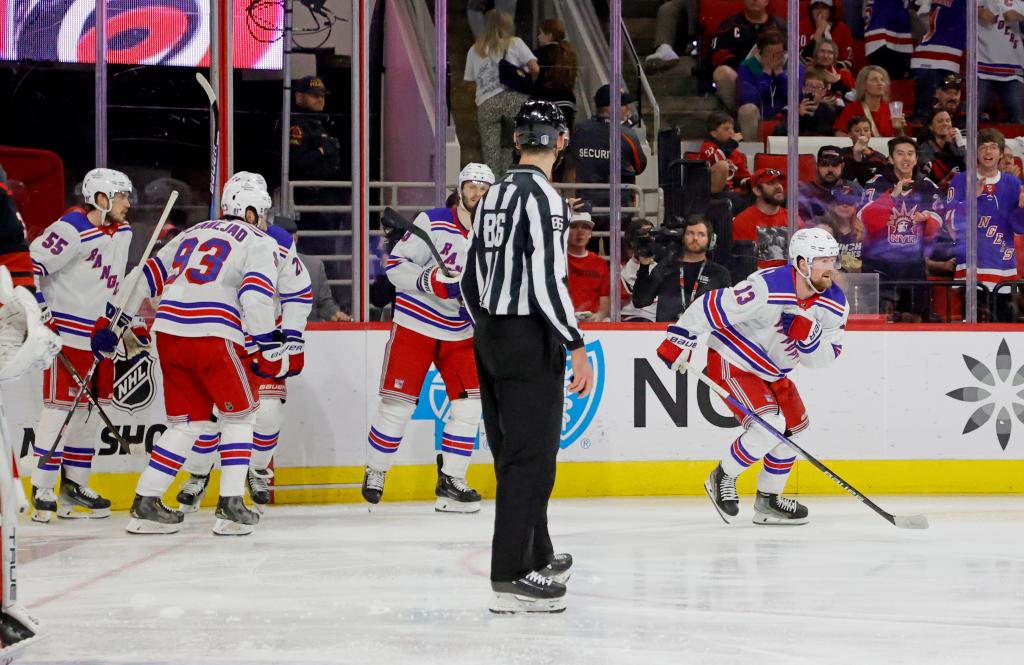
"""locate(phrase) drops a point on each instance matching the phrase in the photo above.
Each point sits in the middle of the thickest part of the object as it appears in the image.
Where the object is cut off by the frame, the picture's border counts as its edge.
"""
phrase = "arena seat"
(806, 167)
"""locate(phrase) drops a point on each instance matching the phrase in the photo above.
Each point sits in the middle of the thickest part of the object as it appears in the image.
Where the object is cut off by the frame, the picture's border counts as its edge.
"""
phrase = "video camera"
(663, 244)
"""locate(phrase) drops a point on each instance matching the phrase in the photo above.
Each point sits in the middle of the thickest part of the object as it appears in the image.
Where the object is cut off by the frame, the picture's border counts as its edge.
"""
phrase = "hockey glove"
(434, 281)
(295, 349)
(46, 316)
(268, 360)
(137, 343)
(800, 328)
(677, 349)
(106, 333)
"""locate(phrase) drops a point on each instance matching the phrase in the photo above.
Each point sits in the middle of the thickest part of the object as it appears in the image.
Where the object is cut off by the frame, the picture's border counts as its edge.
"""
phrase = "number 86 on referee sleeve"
(493, 229)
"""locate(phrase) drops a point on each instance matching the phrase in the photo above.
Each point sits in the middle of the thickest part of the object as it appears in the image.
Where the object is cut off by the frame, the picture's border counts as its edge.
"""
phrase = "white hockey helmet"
(106, 181)
(810, 244)
(476, 172)
(245, 196)
(236, 181)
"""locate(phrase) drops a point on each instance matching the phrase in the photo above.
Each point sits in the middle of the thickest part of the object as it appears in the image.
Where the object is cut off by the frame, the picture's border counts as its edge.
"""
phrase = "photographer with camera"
(674, 268)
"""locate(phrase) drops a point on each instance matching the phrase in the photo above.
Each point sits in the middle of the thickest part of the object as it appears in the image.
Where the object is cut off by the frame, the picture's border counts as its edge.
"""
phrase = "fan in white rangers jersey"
(760, 330)
(79, 262)
(214, 281)
(294, 300)
(431, 326)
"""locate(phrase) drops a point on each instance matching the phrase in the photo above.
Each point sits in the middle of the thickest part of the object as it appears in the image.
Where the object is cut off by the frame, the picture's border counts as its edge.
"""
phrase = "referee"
(515, 286)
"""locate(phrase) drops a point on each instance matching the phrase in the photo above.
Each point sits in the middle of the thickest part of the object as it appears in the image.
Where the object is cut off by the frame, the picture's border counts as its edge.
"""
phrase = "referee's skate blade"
(223, 527)
(80, 513)
(135, 525)
(446, 505)
(510, 603)
(910, 521)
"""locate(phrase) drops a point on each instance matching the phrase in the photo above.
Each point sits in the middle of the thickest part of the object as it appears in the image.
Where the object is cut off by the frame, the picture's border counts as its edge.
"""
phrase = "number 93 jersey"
(217, 279)
(79, 268)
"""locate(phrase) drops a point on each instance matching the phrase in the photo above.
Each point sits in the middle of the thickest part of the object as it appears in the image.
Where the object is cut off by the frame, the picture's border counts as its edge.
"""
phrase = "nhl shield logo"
(134, 387)
(579, 411)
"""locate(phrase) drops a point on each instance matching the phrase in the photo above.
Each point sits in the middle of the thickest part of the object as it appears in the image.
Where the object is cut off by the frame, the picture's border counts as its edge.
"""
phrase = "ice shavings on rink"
(656, 581)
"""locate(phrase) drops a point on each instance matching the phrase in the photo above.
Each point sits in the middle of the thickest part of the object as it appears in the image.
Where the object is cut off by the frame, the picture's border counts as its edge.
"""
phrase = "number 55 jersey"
(215, 280)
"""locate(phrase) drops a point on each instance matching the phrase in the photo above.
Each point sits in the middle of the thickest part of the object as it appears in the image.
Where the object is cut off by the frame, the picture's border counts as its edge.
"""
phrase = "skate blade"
(510, 603)
(763, 519)
(188, 508)
(446, 505)
(561, 578)
(82, 513)
(135, 525)
(42, 516)
(726, 517)
(225, 527)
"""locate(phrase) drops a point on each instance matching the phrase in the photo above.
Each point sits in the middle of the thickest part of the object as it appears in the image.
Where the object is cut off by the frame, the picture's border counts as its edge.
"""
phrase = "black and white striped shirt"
(517, 257)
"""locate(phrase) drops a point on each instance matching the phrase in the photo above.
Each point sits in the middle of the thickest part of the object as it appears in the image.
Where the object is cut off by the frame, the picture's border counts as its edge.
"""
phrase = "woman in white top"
(496, 105)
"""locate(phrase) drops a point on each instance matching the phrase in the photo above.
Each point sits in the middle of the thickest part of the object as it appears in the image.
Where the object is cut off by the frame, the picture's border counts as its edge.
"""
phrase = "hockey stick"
(122, 296)
(903, 522)
(392, 217)
(121, 443)
(215, 116)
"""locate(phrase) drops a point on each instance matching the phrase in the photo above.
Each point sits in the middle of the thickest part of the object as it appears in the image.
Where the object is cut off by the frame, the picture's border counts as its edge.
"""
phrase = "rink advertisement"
(900, 411)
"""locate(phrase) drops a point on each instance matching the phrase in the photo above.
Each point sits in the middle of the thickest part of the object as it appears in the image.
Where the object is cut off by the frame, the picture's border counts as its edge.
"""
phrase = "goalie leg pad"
(459, 436)
(386, 432)
(235, 451)
(266, 430)
(168, 456)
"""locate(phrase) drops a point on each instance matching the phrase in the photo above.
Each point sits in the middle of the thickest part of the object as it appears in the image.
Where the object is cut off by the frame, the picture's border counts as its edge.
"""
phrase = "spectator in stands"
(556, 59)
(949, 98)
(730, 176)
(814, 197)
(940, 149)
(733, 42)
(637, 234)
(939, 53)
(1010, 163)
(759, 232)
(840, 80)
(888, 42)
(821, 24)
(861, 162)
(763, 84)
(680, 277)
(589, 155)
(844, 224)
(818, 112)
(325, 308)
(999, 60)
(871, 100)
(589, 277)
(673, 14)
(901, 224)
(496, 104)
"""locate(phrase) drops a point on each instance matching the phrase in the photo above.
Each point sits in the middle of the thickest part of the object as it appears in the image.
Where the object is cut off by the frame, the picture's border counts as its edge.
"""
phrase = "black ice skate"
(192, 492)
(772, 509)
(89, 504)
(373, 485)
(453, 494)
(258, 482)
(721, 489)
(44, 504)
(234, 518)
(530, 593)
(558, 569)
(150, 515)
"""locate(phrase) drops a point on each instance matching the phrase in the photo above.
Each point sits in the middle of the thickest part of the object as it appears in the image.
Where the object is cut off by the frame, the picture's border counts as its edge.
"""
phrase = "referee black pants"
(521, 363)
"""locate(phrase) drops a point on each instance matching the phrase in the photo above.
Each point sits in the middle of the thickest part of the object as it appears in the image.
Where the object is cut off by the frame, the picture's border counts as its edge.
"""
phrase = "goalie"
(26, 346)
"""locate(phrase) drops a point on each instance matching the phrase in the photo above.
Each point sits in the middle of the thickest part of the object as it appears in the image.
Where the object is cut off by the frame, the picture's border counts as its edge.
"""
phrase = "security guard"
(516, 288)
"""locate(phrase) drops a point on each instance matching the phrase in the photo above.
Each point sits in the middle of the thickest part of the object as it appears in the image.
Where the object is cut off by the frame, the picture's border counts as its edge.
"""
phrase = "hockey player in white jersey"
(214, 281)
(79, 263)
(431, 326)
(758, 332)
(294, 300)
(26, 346)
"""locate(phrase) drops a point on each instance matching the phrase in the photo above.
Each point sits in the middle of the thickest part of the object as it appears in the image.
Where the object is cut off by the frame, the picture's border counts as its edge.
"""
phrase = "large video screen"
(150, 32)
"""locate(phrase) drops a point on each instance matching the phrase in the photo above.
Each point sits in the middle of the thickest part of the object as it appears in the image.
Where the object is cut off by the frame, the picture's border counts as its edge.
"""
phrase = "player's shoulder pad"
(439, 214)
(76, 218)
(778, 281)
(833, 300)
(283, 238)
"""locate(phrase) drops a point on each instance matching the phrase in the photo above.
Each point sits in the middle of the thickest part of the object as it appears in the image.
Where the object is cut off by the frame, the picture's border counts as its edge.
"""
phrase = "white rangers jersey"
(746, 328)
(294, 298)
(421, 310)
(215, 280)
(78, 268)
(1000, 54)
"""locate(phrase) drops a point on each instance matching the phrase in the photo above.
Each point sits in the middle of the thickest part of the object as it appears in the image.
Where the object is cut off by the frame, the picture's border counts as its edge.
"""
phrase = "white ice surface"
(656, 581)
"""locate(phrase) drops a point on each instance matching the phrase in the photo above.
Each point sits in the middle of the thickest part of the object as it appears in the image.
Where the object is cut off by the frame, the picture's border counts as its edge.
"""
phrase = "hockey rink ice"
(656, 580)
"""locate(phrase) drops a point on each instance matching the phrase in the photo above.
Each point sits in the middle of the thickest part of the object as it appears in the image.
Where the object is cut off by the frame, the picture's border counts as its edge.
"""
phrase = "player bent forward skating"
(211, 280)
(759, 331)
(431, 326)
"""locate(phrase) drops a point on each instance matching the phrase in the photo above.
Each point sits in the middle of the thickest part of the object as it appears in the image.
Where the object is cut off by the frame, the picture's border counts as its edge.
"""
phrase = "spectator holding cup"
(872, 101)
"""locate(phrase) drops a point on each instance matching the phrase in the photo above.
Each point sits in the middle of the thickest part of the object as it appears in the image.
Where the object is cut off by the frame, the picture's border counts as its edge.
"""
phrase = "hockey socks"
(386, 432)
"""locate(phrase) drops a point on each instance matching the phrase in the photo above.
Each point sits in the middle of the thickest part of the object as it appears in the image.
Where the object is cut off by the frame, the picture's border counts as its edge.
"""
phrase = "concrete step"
(689, 113)
(672, 82)
(641, 31)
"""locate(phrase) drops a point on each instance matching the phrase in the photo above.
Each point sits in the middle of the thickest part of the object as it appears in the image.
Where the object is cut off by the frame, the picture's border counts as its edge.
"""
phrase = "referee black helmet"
(538, 124)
